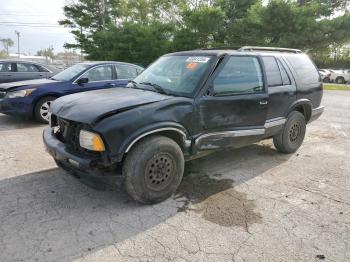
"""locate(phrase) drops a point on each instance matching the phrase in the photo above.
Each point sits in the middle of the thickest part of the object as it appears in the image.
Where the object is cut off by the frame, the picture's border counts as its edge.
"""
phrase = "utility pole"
(103, 13)
(18, 35)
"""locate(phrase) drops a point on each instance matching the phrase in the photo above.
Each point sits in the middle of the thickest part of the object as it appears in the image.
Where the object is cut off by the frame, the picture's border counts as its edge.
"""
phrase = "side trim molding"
(155, 131)
(236, 133)
(275, 122)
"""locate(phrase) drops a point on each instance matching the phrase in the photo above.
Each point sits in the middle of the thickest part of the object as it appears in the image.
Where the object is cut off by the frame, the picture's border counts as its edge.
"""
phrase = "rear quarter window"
(305, 69)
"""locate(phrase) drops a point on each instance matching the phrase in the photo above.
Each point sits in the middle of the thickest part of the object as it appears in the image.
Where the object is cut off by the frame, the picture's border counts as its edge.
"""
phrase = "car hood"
(92, 106)
(32, 83)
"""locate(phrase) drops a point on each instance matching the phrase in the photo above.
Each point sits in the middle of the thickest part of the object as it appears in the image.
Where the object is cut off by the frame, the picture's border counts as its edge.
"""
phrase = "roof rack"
(271, 49)
(221, 48)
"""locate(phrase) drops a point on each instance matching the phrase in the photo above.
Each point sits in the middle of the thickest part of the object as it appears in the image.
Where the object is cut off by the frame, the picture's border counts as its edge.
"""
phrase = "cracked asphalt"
(250, 204)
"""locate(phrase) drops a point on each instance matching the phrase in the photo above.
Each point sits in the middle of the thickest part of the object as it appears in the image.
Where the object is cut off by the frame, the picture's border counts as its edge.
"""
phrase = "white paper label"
(197, 59)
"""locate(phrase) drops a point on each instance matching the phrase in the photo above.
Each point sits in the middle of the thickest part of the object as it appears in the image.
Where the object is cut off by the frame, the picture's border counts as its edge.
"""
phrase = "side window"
(284, 74)
(126, 72)
(100, 73)
(22, 67)
(240, 75)
(5, 67)
(304, 68)
(42, 69)
(272, 71)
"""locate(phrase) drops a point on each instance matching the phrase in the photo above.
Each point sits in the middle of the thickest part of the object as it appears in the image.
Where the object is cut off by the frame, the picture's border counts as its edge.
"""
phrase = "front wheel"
(292, 135)
(41, 111)
(153, 169)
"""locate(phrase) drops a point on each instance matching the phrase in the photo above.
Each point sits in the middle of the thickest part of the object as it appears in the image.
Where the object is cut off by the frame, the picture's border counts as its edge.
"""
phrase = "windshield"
(175, 74)
(70, 72)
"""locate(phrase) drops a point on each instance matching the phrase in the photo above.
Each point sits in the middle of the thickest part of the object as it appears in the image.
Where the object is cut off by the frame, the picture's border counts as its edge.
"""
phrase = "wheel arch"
(174, 131)
(303, 106)
(37, 99)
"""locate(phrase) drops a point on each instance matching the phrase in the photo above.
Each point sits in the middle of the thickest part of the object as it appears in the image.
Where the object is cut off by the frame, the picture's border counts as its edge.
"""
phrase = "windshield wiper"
(135, 85)
(156, 87)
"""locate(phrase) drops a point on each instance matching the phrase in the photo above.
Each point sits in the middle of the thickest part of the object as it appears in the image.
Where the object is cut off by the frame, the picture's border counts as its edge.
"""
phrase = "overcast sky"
(35, 12)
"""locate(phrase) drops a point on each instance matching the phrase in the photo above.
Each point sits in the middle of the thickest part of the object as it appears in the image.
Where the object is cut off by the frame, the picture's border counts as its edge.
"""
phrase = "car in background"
(340, 76)
(325, 75)
(13, 70)
(32, 98)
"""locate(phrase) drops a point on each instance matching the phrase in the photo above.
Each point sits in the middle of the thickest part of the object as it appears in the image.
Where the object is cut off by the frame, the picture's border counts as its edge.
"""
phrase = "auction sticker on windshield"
(197, 59)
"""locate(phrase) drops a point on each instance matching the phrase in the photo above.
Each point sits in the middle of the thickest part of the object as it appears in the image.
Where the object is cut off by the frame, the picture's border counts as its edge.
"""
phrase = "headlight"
(91, 141)
(20, 93)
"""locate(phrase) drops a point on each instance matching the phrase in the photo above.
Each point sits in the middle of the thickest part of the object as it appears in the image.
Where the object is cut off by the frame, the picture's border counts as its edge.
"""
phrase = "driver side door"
(100, 77)
(233, 111)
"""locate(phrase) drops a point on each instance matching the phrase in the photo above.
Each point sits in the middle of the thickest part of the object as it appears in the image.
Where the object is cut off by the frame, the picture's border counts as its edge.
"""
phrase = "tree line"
(139, 31)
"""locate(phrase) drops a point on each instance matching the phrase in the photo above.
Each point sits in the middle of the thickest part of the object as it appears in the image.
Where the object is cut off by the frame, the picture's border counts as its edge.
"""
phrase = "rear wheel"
(340, 80)
(42, 107)
(153, 169)
(292, 135)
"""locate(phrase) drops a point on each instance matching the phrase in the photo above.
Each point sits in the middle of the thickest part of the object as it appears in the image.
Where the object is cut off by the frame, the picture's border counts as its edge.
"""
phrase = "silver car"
(13, 70)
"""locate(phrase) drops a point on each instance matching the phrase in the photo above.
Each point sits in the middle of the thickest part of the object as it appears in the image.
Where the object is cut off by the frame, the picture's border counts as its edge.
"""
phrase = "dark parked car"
(181, 105)
(33, 97)
(12, 71)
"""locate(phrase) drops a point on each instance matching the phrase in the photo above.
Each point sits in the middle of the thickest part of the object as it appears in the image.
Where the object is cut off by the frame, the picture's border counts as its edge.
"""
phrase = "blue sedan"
(32, 98)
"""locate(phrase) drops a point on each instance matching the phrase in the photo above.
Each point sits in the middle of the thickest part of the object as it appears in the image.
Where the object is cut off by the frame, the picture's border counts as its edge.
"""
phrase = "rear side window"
(240, 75)
(304, 68)
(273, 73)
(126, 72)
(284, 74)
(22, 67)
(5, 67)
(42, 69)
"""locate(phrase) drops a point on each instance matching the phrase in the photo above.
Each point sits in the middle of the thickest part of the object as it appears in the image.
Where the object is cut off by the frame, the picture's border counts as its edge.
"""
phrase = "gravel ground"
(251, 204)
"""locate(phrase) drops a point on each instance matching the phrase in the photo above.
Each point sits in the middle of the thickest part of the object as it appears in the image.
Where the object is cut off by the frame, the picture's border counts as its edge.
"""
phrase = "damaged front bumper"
(80, 166)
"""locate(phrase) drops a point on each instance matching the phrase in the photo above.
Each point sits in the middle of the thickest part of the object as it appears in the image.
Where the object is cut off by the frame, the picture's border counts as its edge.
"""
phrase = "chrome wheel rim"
(44, 110)
(159, 171)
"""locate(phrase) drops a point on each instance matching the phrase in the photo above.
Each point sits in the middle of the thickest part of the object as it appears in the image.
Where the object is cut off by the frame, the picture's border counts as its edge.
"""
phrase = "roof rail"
(271, 49)
(221, 48)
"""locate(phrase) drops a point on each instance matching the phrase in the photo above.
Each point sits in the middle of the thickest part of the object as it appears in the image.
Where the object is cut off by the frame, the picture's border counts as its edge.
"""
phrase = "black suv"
(182, 105)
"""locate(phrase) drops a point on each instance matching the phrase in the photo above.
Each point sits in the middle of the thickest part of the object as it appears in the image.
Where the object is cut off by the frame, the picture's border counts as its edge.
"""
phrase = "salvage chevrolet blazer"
(181, 106)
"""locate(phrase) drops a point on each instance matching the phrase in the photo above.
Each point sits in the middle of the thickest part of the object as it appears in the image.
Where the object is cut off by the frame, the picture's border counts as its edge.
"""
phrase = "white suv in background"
(340, 76)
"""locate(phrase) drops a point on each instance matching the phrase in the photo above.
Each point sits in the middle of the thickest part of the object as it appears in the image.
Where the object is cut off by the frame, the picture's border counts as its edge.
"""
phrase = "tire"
(153, 169)
(41, 109)
(340, 80)
(326, 80)
(292, 135)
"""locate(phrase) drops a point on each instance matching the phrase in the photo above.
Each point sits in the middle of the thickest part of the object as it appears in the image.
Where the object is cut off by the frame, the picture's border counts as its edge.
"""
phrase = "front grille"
(68, 132)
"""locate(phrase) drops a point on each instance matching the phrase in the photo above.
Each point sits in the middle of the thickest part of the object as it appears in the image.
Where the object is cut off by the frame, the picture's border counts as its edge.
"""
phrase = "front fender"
(152, 129)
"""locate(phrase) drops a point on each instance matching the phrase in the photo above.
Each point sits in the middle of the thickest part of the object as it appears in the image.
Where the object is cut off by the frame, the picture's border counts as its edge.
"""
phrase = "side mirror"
(83, 81)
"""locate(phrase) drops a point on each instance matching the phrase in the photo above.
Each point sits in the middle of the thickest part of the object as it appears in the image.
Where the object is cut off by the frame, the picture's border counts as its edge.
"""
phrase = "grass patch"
(336, 87)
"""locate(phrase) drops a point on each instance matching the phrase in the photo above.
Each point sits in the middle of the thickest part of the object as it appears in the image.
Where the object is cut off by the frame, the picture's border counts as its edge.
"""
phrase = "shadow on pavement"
(14, 122)
(50, 215)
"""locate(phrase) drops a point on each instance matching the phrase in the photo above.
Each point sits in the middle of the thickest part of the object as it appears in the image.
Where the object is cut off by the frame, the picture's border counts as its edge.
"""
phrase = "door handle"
(110, 85)
(264, 102)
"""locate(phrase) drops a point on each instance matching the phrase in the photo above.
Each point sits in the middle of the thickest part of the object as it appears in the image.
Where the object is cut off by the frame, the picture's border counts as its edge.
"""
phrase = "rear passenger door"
(281, 88)
(6, 72)
(233, 112)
